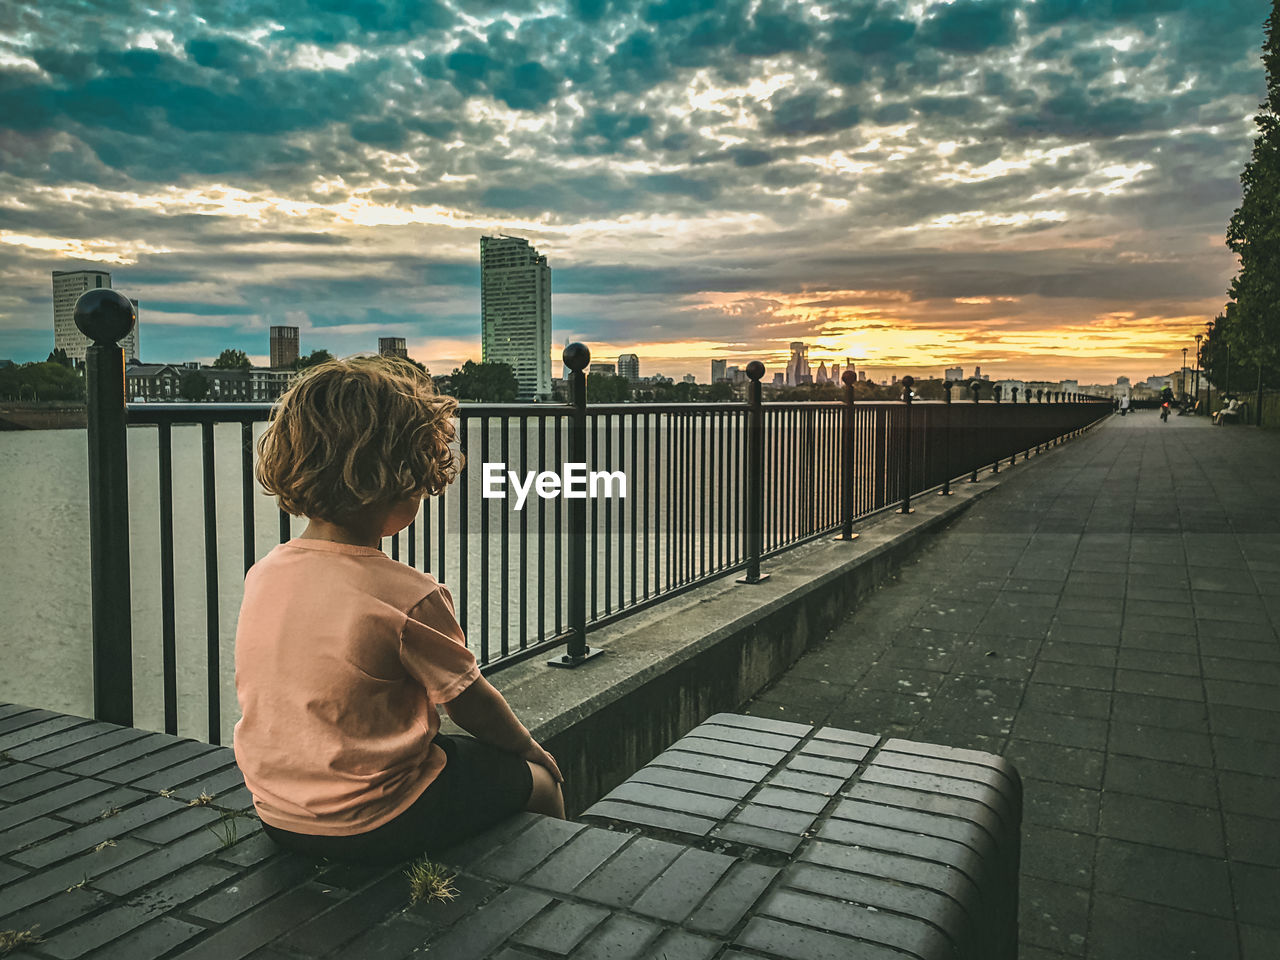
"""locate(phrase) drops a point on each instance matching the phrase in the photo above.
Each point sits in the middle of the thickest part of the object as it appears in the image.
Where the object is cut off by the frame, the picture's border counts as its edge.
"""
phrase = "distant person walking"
(1124, 404)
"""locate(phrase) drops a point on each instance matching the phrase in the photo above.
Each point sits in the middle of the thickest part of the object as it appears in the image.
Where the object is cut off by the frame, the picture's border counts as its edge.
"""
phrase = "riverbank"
(42, 416)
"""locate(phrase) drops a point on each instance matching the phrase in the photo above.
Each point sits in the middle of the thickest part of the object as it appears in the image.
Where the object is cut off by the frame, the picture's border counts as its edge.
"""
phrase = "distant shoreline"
(69, 416)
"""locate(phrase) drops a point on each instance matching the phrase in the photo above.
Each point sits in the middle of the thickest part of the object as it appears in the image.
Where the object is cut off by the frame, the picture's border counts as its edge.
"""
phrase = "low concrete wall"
(668, 668)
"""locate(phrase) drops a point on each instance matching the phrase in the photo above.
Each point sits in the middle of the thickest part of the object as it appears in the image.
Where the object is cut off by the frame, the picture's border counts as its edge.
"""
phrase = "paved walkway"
(1106, 619)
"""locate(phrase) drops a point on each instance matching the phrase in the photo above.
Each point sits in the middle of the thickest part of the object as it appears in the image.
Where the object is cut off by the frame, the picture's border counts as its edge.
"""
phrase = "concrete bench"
(873, 843)
(747, 834)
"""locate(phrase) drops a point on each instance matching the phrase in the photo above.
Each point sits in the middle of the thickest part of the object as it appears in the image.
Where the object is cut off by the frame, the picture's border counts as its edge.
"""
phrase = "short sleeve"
(434, 650)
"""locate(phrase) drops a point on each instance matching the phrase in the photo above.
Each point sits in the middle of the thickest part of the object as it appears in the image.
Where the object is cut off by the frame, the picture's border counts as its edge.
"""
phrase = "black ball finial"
(105, 316)
(755, 369)
(947, 385)
(908, 381)
(849, 378)
(576, 356)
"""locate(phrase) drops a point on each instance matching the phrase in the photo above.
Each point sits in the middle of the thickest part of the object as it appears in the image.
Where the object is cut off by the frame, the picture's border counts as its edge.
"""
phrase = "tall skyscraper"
(284, 347)
(629, 366)
(68, 285)
(392, 347)
(718, 370)
(515, 312)
(798, 366)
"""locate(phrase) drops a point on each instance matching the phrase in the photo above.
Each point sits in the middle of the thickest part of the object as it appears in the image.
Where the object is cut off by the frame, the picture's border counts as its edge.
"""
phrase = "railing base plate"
(760, 579)
(843, 539)
(567, 662)
(908, 510)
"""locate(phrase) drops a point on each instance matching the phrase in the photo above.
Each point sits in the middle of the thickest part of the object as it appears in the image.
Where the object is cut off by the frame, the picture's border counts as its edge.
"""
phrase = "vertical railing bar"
(168, 632)
(561, 580)
(212, 653)
(484, 547)
(632, 479)
(542, 535)
(648, 456)
(594, 553)
(464, 548)
(246, 492)
(608, 516)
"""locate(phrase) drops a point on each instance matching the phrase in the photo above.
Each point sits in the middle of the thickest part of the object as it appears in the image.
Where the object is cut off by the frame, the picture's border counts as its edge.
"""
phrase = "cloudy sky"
(1040, 188)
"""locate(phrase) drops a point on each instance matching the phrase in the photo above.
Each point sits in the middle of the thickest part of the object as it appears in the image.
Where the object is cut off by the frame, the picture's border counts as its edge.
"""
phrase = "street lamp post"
(1199, 337)
(1183, 389)
(1208, 369)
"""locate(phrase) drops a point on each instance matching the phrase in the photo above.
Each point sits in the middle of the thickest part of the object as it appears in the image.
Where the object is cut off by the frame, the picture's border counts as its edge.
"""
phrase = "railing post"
(996, 391)
(946, 440)
(907, 383)
(576, 356)
(755, 475)
(847, 458)
(106, 316)
(974, 386)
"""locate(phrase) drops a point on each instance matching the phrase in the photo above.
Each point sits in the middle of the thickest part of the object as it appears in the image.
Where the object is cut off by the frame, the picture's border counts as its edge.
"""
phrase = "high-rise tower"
(515, 312)
(284, 347)
(68, 285)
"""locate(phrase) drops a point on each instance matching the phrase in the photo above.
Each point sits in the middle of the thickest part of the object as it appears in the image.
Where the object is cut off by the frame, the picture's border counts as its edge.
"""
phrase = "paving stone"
(1060, 805)
(749, 737)
(675, 894)
(621, 938)
(682, 945)
(1245, 756)
(1053, 915)
(90, 835)
(516, 858)
(751, 835)
(731, 898)
(1061, 729)
(692, 782)
(1072, 701)
(716, 766)
(50, 802)
(1047, 761)
(1162, 780)
(252, 889)
(797, 800)
(1157, 743)
(1251, 795)
(1162, 823)
(733, 751)
(260, 925)
(1059, 855)
(49, 881)
(113, 926)
(772, 818)
(808, 782)
(478, 934)
(1259, 943)
(665, 798)
(577, 860)
(1123, 928)
(755, 723)
(630, 813)
(40, 781)
(433, 916)
(620, 881)
(1253, 839)
(909, 934)
(1160, 685)
(349, 918)
(1171, 878)
(1245, 722)
(561, 929)
(804, 943)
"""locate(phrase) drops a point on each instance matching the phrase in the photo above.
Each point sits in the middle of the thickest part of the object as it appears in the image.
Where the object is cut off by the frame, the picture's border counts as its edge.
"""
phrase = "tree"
(493, 382)
(607, 388)
(59, 356)
(46, 380)
(316, 356)
(230, 359)
(193, 386)
(1251, 322)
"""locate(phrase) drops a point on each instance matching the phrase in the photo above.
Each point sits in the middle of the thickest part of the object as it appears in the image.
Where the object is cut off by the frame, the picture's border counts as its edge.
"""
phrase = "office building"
(515, 312)
(718, 368)
(392, 347)
(68, 285)
(688, 378)
(605, 369)
(822, 376)
(953, 373)
(798, 366)
(629, 367)
(284, 347)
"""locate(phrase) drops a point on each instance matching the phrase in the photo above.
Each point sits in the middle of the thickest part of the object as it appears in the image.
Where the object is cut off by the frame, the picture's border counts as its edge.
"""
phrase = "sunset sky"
(1039, 188)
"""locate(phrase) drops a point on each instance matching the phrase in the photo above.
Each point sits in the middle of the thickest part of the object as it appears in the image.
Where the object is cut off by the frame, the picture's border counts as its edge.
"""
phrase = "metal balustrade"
(711, 489)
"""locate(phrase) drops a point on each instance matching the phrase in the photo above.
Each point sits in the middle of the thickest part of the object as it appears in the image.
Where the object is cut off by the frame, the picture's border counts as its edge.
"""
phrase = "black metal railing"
(711, 489)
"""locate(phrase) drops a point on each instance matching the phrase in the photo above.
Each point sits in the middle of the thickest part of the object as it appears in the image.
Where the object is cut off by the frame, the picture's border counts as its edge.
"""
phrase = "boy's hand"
(535, 754)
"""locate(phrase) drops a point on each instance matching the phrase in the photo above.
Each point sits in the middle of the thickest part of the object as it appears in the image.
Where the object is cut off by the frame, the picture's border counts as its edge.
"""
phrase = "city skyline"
(1039, 189)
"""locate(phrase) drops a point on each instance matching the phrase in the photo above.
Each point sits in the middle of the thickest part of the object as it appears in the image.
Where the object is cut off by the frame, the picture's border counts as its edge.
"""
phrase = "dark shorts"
(479, 786)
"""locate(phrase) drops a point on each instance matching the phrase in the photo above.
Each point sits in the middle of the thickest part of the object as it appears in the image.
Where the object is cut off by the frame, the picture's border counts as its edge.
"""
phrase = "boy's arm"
(485, 714)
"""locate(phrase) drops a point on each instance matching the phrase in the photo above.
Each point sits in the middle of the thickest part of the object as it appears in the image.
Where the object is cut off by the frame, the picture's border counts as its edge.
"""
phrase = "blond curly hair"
(356, 433)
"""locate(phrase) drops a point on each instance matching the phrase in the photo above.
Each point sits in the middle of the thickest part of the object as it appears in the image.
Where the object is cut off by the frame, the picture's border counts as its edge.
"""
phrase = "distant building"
(1069, 386)
(68, 285)
(689, 378)
(284, 347)
(798, 366)
(779, 380)
(159, 382)
(1122, 382)
(515, 312)
(823, 376)
(1007, 387)
(629, 367)
(718, 370)
(393, 347)
(977, 374)
(608, 369)
(862, 376)
(953, 373)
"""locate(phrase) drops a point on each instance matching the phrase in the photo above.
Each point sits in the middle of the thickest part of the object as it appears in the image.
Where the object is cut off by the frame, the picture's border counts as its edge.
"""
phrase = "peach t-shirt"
(341, 657)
